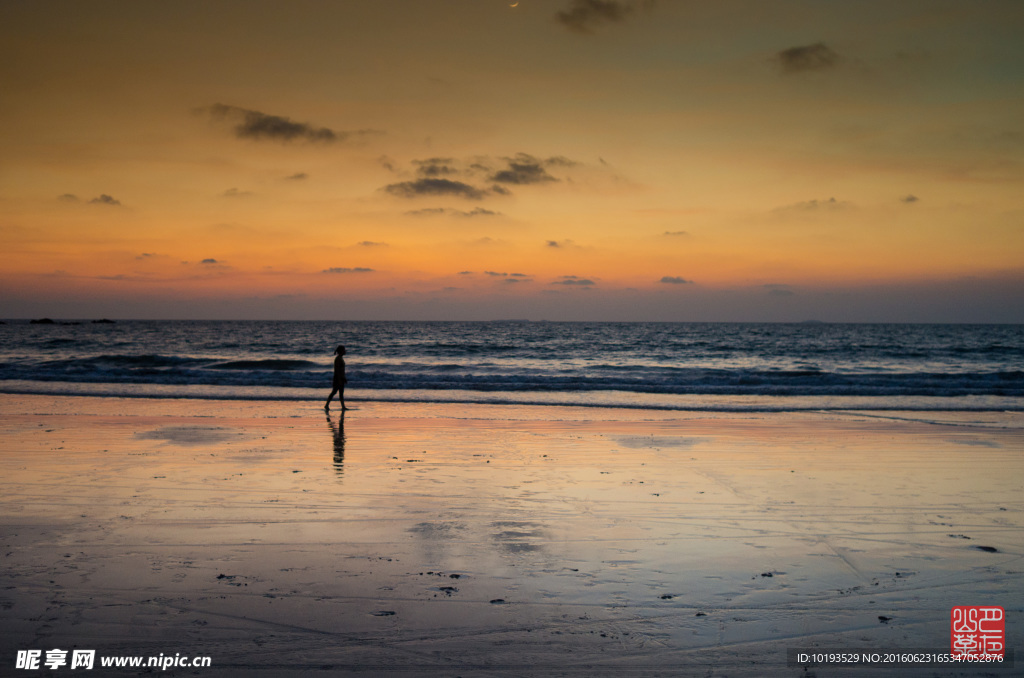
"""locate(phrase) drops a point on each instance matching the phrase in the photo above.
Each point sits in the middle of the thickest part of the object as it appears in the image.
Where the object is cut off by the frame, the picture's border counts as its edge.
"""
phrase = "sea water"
(701, 366)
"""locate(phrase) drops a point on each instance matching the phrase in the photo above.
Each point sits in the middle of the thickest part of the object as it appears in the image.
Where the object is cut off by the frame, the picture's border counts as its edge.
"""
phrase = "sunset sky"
(548, 159)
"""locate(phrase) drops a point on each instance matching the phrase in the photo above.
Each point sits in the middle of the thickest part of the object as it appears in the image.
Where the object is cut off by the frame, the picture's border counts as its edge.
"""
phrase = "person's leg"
(327, 405)
(341, 397)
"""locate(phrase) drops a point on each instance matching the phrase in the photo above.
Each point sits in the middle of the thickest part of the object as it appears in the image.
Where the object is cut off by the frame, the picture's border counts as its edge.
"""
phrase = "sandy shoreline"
(493, 540)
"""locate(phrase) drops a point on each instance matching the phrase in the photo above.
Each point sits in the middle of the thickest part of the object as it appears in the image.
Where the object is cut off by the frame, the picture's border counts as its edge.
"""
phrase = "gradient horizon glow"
(558, 160)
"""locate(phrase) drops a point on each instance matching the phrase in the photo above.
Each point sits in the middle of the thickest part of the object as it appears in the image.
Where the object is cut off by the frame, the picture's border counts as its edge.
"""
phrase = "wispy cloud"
(674, 234)
(298, 176)
(574, 280)
(235, 193)
(371, 243)
(250, 124)
(777, 290)
(525, 169)
(433, 186)
(561, 244)
(448, 211)
(583, 16)
(909, 199)
(436, 167)
(357, 269)
(816, 57)
(675, 280)
(468, 178)
(102, 199)
(829, 205)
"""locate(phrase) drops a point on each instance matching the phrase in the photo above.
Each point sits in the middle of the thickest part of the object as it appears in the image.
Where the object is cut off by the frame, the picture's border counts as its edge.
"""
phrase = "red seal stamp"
(977, 631)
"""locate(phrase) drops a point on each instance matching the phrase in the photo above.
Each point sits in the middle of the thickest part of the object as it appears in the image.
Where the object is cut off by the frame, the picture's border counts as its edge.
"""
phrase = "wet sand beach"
(464, 540)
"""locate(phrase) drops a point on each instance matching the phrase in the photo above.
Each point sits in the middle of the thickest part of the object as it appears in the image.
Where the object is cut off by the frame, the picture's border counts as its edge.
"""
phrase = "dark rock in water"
(384, 613)
(42, 321)
(884, 619)
(103, 321)
(667, 596)
(497, 601)
(987, 549)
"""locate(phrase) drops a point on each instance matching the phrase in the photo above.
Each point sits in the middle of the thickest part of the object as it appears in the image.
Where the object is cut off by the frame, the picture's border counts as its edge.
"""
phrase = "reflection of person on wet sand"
(338, 432)
(339, 379)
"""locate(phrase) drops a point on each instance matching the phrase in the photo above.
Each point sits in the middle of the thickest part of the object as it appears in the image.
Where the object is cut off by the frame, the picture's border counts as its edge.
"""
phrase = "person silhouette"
(339, 379)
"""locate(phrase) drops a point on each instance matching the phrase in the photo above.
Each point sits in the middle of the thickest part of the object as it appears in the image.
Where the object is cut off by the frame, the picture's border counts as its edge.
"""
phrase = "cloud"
(465, 272)
(909, 199)
(562, 161)
(105, 199)
(370, 243)
(574, 280)
(816, 205)
(435, 167)
(518, 280)
(209, 261)
(511, 277)
(583, 16)
(478, 212)
(433, 186)
(438, 211)
(68, 197)
(675, 233)
(358, 269)
(263, 126)
(235, 193)
(524, 169)
(777, 290)
(557, 244)
(816, 57)
(675, 280)
(298, 176)
(451, 176)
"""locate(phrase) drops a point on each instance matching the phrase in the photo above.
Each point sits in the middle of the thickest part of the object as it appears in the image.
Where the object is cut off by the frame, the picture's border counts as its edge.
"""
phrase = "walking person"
(339, 379)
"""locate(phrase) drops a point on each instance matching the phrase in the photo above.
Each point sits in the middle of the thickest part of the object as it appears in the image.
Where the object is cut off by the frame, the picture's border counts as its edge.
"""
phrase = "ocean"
(669, 366)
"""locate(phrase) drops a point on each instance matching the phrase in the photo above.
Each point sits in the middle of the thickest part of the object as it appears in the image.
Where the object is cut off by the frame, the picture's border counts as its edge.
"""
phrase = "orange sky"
(559, 160)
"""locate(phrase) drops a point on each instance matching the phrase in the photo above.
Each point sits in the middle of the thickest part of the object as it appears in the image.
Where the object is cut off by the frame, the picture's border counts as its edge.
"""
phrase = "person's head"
(340, 350)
